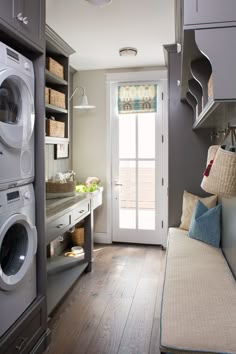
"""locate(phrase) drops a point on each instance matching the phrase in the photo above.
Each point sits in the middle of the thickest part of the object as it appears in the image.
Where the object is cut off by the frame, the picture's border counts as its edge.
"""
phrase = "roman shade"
(137, 98)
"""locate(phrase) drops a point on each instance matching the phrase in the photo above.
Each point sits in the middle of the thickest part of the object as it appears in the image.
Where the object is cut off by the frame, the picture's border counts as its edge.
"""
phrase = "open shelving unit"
(59, 284)
(60, 51)
(61, 263)
(202, 60)
(54, 80)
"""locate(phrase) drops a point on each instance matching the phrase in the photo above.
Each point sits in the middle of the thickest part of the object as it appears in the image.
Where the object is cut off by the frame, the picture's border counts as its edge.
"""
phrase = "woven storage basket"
(55, 68)
(222, 176)
(210, 87)
(57, 187)
(77, 236)
(47, 99)
(57, 98)
(55, 128)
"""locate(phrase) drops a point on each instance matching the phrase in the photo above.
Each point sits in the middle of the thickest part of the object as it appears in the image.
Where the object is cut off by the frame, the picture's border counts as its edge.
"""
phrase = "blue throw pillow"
(205, 224)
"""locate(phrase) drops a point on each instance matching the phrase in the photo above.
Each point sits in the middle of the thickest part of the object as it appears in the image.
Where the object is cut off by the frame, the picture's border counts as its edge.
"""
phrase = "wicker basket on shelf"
(55, 128)
(77, 236)
(47, 93)
(57, 98)
(55, 68)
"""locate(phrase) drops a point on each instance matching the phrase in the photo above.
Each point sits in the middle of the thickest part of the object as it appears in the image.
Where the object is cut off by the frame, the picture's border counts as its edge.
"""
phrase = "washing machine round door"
(17, 114)
(18, 245)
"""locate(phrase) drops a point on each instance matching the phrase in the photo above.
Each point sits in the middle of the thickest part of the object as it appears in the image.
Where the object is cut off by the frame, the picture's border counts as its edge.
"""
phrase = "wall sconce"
(82, 100)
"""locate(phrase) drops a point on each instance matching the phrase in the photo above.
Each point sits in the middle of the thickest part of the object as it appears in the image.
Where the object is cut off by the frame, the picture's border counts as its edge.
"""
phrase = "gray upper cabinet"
(29, 15)
(26, 17)
(208, 12)
(6, 12)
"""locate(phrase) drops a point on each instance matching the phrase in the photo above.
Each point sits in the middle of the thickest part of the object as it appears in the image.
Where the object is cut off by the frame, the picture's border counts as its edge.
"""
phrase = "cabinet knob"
(81, 211)
(25, 20)
(20, 17)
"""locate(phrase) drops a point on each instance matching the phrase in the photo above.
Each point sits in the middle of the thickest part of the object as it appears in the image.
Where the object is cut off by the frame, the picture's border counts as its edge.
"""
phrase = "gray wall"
(53, 166)
(187, 148)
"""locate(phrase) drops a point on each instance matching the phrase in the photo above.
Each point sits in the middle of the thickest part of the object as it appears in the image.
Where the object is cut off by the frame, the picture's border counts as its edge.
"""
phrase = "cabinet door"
(209, 11)
(26, 332)
(31, 19)
(7, 13)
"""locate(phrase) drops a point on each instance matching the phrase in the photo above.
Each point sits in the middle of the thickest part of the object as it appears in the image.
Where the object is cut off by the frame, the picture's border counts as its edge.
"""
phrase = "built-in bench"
(198, 312)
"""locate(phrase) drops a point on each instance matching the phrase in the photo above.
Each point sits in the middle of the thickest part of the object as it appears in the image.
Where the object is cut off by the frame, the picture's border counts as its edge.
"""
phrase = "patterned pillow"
(205, 224)
(189, 204)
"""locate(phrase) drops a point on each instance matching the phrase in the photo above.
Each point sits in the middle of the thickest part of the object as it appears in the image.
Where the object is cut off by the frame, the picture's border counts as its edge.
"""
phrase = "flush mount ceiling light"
(99, 3)
(82, 100)
(128, 52)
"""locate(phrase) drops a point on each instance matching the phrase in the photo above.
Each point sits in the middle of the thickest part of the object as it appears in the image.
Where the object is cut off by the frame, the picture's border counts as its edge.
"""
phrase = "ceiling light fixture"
(128, 52)
(83, 100)
(99, 3)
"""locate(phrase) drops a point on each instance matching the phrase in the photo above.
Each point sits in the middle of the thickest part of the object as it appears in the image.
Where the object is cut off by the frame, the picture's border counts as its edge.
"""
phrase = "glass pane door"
(137, 171)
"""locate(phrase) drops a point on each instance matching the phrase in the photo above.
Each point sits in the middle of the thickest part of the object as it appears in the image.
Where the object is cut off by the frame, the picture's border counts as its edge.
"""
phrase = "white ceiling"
(97, 34)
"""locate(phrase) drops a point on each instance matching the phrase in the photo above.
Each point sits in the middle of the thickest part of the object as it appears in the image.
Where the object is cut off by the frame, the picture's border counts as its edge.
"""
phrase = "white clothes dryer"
(17, 118)
(18, 246)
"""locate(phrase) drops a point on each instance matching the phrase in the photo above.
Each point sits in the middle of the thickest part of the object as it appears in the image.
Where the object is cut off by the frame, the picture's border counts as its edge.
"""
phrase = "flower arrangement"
(91, 185)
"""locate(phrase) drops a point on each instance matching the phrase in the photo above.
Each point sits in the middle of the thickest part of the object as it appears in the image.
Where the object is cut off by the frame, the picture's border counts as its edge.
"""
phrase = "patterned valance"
(137, 99)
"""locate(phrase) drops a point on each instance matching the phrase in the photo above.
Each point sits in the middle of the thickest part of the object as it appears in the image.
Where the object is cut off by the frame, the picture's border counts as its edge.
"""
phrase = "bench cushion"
(199, 298)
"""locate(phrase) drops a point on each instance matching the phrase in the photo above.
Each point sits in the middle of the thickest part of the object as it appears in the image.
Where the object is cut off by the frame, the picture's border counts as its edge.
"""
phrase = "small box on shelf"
(55, 68)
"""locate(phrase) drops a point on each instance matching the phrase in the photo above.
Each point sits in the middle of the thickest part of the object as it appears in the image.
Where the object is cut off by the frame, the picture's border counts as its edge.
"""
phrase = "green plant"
(86, 189)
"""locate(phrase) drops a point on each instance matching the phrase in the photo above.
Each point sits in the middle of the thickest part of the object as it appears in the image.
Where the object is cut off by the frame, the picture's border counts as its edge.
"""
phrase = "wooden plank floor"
(115, 309)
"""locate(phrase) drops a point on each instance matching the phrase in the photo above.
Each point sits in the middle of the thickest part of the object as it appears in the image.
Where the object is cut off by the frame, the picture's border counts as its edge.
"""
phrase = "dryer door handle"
(35, 239)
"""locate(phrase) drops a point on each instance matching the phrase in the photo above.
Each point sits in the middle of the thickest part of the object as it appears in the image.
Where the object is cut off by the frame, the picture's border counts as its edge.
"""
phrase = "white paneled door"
(137, 175)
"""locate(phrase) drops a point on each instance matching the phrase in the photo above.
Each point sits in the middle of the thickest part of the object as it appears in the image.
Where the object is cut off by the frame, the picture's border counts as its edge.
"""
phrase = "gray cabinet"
(26, 17)
(7, 13)
(29, 17)
(199, 12)
(27, 333)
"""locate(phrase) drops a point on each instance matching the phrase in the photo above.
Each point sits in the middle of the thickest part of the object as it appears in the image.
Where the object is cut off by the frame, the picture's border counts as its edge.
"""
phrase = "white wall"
(89, 153)
(89, 137)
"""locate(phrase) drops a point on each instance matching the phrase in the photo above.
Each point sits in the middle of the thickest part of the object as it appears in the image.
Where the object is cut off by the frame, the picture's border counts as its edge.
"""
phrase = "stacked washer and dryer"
(18, 235)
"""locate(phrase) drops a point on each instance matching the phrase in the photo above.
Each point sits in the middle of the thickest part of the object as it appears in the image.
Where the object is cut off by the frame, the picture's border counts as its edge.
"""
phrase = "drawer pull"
(25, 20)
(20, 17)
(59, 226)
(20, 346)
(81, 211)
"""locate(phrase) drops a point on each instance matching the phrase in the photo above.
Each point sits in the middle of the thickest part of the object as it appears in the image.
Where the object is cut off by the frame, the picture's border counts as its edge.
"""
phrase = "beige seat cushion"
(199, 298)
(189, 204)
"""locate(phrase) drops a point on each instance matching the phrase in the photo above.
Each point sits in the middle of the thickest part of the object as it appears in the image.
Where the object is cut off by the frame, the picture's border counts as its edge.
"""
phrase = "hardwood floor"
(114, 309)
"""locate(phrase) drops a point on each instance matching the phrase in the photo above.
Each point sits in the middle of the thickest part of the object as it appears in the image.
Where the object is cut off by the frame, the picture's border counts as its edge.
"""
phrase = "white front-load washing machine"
(17, 118)
(18, 245)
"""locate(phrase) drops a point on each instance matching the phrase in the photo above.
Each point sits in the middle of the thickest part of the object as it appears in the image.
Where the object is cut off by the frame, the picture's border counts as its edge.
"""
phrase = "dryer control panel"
(14, 198)
(10, 58)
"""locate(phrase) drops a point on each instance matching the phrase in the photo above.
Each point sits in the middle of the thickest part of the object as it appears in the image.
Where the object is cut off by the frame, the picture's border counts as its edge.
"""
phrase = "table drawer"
(58, 226)
(81, 211)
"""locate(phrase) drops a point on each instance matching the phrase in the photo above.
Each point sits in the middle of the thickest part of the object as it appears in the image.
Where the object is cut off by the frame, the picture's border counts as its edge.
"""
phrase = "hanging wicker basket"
(222, 176)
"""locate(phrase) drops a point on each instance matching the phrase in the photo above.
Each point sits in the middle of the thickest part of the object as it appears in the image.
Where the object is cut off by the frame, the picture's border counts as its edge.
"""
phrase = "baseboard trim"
(102, 237)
